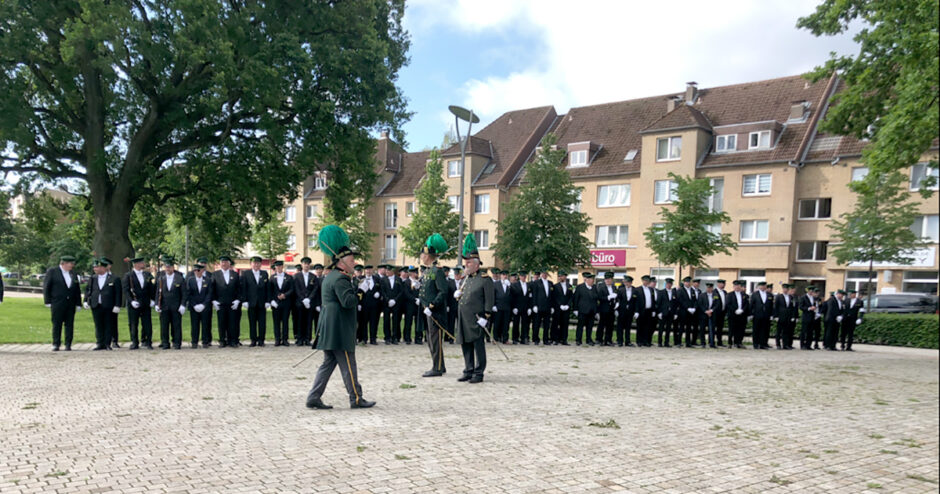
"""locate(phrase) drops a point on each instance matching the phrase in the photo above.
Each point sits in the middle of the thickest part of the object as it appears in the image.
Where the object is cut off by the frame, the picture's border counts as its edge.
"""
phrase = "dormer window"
(580, 153)
(319, 181)
(577, 158)
(726, 143)
(759, 140)
(669, 148)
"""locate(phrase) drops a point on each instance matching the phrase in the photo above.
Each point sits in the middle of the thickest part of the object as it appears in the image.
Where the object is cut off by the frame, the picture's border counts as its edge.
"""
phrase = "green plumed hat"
(435, 245)
(470, 247)
(334, 241)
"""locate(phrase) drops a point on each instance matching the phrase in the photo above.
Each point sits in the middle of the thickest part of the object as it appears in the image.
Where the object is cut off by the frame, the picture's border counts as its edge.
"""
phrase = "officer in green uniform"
(433, 297)
(474, 302)
(336, 329)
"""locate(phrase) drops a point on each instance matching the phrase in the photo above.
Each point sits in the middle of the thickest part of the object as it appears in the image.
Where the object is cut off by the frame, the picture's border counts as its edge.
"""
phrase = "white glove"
(458, 293)
(612, 296)
(77, 307)
(528, 312)
(376, 295)
(116, 310)
(660, 316)
(838, 318)
(617, 305)
(216, 304)
(597, 317)
(774, 319)
(565, 307)
(515, 312)
(48, 306)
(363, 287)
(235, 305)
(738, 311)
(862, 309)
(494, 308)
(818, 315)
(359, 308)
(675, 317)
(267, 306)
(858, 321)
(85, 305)
(153, 303)
(199, 308)
(182, 309)
(158, 310)
(575, 313)
(750, 318)
(447, 309)
(617, 313)
(417, 302)
(482, 322)
(306, 303)
(636, 315)
(552, 310)
(318, 308)
(427, 311)
(792, 319)
(135, 304)
(535, 310)
(274, 304)
(391, 303)
(691, 310)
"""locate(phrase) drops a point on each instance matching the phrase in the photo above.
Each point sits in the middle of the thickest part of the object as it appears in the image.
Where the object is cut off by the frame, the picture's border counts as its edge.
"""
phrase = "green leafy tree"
(270, 239)
(215, 107)
(355, 223)
(878, 229)
(432, 214)
(892, 82)
(682, 237)
(542, 227)
(27, 246)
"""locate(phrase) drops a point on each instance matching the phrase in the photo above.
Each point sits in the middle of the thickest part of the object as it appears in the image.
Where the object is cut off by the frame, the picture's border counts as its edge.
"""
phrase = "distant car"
(904, 303)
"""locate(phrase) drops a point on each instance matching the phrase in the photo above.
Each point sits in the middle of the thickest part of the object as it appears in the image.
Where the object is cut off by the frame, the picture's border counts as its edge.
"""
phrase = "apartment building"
(780, 180)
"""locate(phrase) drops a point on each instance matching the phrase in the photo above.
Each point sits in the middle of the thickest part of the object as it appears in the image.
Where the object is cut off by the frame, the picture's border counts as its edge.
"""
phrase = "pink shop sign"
(608, 258)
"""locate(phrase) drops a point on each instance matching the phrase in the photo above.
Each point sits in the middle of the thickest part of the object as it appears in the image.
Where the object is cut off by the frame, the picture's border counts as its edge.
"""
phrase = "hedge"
(913, 330)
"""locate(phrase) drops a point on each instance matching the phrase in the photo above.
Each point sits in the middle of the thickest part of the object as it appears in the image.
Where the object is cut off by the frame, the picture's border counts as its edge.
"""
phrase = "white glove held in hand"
(199, 308)
(135, 304)
(376, 295)
(535, 310)
(85, 305)
(482, 322)
(391, 303)
(858, 321)
(182, 309)
(528, 312)
(274, 304)
(116, 310)
(48, 306)
(611, 296)
(515, 312)
(575, 313)
(838, 318)
(417, 302)
(494, 308)
(427, 311)
(318, 308)
(458, 293)
(739, 311)
(267, 305)
(636, 315)
(306, 303)
(216, 305)
(691, 310)
(660, 317)
(152, 303)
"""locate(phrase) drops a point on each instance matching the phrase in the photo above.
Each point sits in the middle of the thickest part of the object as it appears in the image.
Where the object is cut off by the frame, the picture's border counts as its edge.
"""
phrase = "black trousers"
(199, 326)
(295, 319)
(140, 319)
(63, 315)
(665, 326)
(832, 334)
(474, 357)
(171, 327)
(788, 330)
(410, 319)
(624, 326)
(371, 315)
(720, 328)
(114, 328)
(305, 331)
(605, 328)
(257, 323)
(543, 322)
(103, 322)
(645, 326)
(761, 332)
(280, 316)
(848, 332)
(229, 324)
(736, 326)
(560, 326)
(520, 325)
(391, 323)
(501, 325)
(689, 326)
(586, 324)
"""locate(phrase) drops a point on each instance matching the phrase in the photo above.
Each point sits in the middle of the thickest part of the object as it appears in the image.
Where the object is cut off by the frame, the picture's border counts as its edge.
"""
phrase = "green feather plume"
(332, 238)
(437, 242)
(469, 245)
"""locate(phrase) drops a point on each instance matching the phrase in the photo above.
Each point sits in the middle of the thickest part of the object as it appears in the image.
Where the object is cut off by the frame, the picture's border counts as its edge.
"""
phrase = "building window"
(759, 140)
(664, 191)
(815, 209)
(291, 242)
(410, 208)
(811, 251)
(716, 199)
(920, 282)
(927, 227)
(481, 203)
(311, 211)
(391, 247)
(609, 196)
(661, 274)
(391, 215)
(754, 230)
(714, 229)
(657, 227)
(483, 238)
(611, 236)
(454, 202)
(577, 205)
(726, 143)
(859, 173)
(319, 181)
(752, 277)
(756, 185)
(921, 172)
(290, 214)
(453, 168)
(706, 275)
(858, 281)
(577, 158)
(312, 241)
(668, 148)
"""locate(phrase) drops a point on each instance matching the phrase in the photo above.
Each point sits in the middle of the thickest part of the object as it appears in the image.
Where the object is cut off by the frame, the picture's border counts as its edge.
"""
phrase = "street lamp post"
(466, 115)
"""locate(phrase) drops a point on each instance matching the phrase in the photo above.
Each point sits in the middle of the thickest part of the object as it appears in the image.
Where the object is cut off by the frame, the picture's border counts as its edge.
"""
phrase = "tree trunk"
(112, 221)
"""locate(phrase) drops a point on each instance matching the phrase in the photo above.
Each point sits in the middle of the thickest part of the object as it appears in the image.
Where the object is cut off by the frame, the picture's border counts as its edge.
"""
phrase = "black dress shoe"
(628, 344)
(55, 349)
(115, 344)
(68, 348)
(134, 346)
(476, 379)
(222, 344)
(318, 404)
(96, 348)
(253, 344)
(564, 343)
(277, 343)
(149, 346)
(463, 378)
(194, 345)
(432, 373)
(407, 342)
(361, 403)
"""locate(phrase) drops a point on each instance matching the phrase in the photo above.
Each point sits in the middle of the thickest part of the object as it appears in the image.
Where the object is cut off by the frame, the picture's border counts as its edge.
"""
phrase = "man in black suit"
(1, 290)
(412, 307)
(60, 292)
(781, 316)
(199, 303)
(809, 318)
(171, 304)
(606, 300)
(502, 306)
(584, 302)
(280, 298)
(562, 295)
(687, 306)
(738, 309)
(451, 320)
(666, 309)
(835, 314)
(851, 319)
(721, 315)
(255, 298)
(394, 294)
(762, 305)
(139, 293)
(646, 309)
(307, 290)
(521, 299)
(541, 307)
(626, 312)
(370, 289)
(103, 296)
(708, 306)
(225, 293)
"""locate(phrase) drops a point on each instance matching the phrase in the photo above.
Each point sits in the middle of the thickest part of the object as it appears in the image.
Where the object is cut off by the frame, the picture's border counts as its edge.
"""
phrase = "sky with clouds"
(498, 55)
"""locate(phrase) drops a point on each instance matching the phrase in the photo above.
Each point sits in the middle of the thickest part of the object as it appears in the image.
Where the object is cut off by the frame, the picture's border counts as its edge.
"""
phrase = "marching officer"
(60, 292)
(171, 304)
(433, 303)
(585, 307)
(561, 301)
(307, 289)
(254, 292)
(225, 293)
(281, 293)
(199, 303)
(475, 297)
(103, 295)
(139, 295)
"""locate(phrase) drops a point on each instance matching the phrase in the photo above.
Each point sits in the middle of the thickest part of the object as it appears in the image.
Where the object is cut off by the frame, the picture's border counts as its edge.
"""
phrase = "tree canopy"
(433, 214)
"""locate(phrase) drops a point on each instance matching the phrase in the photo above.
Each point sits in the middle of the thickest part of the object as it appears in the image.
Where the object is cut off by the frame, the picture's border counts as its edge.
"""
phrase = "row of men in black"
(392, 294)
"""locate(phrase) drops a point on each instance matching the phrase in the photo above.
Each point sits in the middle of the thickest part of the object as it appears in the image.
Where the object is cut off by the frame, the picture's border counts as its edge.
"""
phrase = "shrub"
(913, 330)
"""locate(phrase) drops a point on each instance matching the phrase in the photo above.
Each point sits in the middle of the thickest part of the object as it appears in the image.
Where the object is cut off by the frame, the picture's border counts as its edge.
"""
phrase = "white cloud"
(601, 51)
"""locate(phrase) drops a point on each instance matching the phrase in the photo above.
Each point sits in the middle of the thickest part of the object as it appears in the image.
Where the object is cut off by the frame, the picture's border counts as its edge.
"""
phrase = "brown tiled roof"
(412, 171)
(683, 117)
(475, 145)
(513, 136)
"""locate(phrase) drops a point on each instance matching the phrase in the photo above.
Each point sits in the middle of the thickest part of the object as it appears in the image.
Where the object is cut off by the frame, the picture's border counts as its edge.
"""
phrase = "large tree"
(270, 239)
(543, 228)
(684, 237)
(433, 214)
(216, 107)
(892, 83)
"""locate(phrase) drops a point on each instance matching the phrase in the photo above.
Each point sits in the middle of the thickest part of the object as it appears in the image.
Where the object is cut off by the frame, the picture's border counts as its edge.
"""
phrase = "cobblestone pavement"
(553, 419)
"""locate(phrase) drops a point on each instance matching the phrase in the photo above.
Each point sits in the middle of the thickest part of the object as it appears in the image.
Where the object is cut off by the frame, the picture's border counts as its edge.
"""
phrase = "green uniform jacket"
(337, 325)
(476, 301)
(434, 290)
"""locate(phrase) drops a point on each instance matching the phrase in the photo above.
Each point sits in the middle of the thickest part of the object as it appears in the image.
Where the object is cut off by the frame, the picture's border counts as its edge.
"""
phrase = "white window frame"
(410, 208)
(391, 216)
(482, 238)
(602, 232)
(578, 159)
(919, 281)
(454, 203)
(755, 238)
(722, 144)
(622, 189)
(757, 182)
(859, 283)
(453, 173)
(291, 242)
(311, 211)
(319, 181)
(925, 233)
(816, 251)
(661, 274)
(290, 214)
(760, 135)
(393, 238)
(576, 207)
(715, 228)
(485, 209)
(673, 148)
(859, 173)
(751, 281)
(717, 191)
(927, 172)
(671, 197)
(312, 241)
(815, 217)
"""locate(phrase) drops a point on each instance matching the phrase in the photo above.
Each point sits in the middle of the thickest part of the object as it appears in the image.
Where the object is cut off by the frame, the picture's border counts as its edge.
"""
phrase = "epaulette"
(484, 275)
